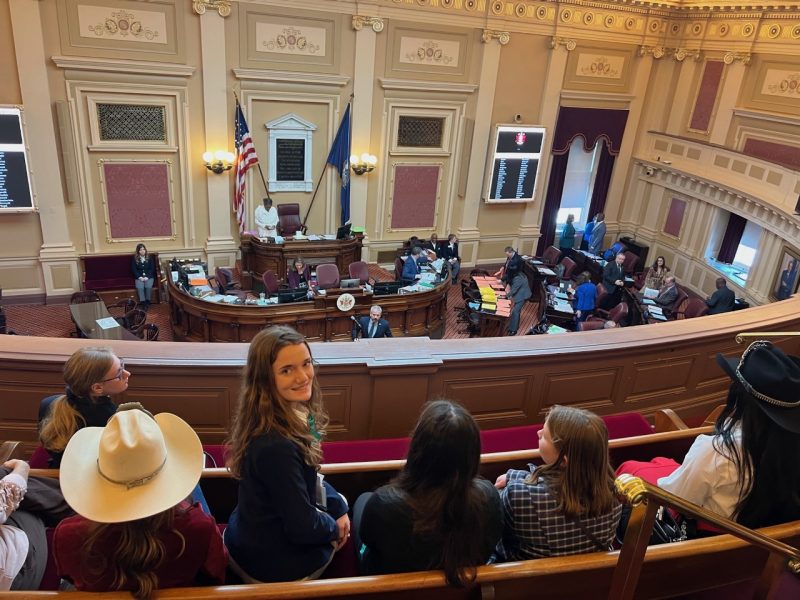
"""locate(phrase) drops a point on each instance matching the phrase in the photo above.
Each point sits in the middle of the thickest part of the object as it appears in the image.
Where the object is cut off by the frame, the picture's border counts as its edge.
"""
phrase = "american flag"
(245, 158)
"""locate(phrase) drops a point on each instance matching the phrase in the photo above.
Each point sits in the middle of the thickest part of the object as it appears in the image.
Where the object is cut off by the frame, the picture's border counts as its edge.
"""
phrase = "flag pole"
(258, 164)
(325, 166)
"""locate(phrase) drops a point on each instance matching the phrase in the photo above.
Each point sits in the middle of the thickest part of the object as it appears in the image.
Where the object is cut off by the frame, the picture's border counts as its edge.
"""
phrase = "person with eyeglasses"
(93, 376)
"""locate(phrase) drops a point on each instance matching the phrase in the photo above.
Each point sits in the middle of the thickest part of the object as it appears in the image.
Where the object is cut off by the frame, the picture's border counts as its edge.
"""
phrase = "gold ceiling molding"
(223, 7)
(502, 37)
(679, 54)
(732, 57)
(360, 21)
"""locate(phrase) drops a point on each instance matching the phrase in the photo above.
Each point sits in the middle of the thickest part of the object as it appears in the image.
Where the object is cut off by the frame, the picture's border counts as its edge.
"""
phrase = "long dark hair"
(766, 461)
(142, 259)
(439, 482)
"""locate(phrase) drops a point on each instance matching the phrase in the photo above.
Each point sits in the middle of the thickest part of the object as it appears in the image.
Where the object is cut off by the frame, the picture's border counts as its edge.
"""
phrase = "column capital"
(223, 7)
(732, 57)
(360, 21)
(569, 43)
(502, 37)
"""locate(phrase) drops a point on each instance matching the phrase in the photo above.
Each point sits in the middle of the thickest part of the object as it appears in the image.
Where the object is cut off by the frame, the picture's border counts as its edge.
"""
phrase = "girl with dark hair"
(567, 505)
(654, 278)
(144, 273)
(92, 376)
(748, 469)
(437, 513)
(288, 522)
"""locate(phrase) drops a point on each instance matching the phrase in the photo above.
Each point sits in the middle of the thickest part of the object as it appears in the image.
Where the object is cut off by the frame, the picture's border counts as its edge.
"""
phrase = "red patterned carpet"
(53, 320)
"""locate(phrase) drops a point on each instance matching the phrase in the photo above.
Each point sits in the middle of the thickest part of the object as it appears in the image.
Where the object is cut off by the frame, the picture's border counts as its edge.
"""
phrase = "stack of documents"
(546, 271)
(563, 306)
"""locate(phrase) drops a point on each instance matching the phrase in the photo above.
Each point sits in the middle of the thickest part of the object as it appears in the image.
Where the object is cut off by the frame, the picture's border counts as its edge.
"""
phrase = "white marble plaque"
(290, 39)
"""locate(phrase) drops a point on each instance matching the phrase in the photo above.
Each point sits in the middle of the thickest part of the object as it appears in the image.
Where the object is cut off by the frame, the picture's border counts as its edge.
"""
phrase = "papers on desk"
(556, 329)
(314, 238)
(562, 306)
(546, 271)
(107, 323)
(655, 310)
(658, 317)
(561, 295)
(410, 288)
(427, 277)
(214, 298)
(648, 302)
(649, 292)
(230, 299)
(437, 264)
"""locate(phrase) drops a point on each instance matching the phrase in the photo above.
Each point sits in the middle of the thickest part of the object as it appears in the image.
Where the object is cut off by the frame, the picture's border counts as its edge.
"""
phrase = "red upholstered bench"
(110, 276)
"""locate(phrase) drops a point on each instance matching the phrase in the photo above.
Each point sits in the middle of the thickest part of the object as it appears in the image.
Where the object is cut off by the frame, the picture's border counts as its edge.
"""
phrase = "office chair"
(327, 276)
(150, 332)
(271, 283)
(289, 219)
(84, 297)
(359, 270)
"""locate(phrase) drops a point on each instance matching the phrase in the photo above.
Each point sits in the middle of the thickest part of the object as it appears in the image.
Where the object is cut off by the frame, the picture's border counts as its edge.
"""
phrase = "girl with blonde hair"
(92, 376)
(288, 522)
(567, 505)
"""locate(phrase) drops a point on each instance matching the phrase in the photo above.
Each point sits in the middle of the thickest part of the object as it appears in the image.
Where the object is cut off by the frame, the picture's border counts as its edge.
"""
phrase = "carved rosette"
(360, 21)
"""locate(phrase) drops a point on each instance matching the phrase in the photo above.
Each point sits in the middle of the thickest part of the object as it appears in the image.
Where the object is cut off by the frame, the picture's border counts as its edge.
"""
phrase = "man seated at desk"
(449, 252)
(667, 294)
(372, 326)
(511, 267)
(723, 300)
(411, 268)
(613, 281)
(267, 219)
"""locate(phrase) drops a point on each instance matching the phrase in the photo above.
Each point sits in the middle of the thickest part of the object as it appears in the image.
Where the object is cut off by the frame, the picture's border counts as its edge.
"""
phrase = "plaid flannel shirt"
(535, 529)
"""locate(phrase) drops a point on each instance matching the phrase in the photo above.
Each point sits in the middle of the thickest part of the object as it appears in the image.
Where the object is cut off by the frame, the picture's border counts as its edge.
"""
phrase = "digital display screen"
(515, 163)
(15, 188)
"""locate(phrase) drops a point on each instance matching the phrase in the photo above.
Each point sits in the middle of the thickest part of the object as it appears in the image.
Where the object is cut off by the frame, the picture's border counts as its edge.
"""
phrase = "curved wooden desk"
(259, 256)
(195, 320)
(375, 388)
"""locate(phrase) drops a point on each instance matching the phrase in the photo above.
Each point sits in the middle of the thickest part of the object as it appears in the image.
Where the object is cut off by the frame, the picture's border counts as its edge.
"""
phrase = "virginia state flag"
(339, 157)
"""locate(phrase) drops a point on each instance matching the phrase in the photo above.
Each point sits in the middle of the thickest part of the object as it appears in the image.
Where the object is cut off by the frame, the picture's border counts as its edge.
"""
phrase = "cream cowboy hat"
(134, 467)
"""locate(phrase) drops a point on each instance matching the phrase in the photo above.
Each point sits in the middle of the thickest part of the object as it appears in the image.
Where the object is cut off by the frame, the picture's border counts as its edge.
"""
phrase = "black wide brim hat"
(772, 378)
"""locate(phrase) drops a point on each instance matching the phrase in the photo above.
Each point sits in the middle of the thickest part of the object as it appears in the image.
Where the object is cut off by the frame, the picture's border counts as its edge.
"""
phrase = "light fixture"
(363, 164)
(219, 161)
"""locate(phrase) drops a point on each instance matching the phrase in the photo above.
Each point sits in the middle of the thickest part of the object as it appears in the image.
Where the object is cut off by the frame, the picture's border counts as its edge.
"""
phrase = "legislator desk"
(86, 316)
(376, 388)
(259, 255)
(319, 319)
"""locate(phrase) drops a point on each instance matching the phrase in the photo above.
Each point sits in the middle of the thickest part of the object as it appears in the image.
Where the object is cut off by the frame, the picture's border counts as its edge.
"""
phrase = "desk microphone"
(354, 320)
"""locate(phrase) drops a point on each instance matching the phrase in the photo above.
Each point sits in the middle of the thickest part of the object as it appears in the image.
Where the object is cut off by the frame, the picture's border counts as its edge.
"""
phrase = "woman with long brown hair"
(92, 376)
(135, 531)
(288, 522)
(438, 513)
(567, 505)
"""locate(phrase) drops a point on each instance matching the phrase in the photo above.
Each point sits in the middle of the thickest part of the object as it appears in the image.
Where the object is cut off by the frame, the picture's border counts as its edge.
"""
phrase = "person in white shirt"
(267, 219)
(748, 470)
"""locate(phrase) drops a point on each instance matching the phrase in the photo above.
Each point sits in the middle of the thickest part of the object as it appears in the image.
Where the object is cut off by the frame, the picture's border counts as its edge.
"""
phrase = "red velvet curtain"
(605, 167)
(732, 238)
(552, 202)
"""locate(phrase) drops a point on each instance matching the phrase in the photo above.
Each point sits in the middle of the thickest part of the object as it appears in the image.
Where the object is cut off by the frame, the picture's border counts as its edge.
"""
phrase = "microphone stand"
(355, 320)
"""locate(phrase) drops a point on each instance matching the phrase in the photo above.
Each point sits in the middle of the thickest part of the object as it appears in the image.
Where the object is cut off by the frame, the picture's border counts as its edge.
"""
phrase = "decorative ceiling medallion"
(566, 15)
(774, 31)
(697, 28)
(422, 2)
(609, 21)
(541, 13)
(630, 23)
(674, 29)
(724, 29)
(588, 18)
(654, 26)
(521, 9)
(470, 4)
(447, 3)
(748, 29)
(497, 7)
(796, 32)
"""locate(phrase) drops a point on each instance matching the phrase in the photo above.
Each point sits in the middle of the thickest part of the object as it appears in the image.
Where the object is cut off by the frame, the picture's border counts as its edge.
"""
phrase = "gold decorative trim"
(678, 54)
(502, 37)
(223, 7)
(360, 21)
(568, 43)
(732, 57)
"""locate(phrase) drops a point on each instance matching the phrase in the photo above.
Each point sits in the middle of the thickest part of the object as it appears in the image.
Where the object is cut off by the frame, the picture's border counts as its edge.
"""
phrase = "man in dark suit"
(449, 252)
(613, 281)
(411, 268)
(667, 294)
(723, 300)
(512, 267)
(520, 291)
(372, 326)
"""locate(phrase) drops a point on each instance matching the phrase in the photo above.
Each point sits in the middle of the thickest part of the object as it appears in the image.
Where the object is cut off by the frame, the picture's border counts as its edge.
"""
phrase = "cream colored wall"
(532, 79)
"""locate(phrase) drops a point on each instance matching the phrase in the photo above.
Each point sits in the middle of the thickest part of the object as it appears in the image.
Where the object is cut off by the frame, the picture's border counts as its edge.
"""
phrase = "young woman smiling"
(288, 522)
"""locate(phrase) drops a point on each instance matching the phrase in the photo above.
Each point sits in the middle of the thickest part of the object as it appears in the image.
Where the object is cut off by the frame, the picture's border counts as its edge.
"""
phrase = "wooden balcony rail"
(646, 499)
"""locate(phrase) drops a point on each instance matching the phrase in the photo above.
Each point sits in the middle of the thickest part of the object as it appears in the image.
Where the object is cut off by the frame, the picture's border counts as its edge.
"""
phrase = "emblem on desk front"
(345, 302)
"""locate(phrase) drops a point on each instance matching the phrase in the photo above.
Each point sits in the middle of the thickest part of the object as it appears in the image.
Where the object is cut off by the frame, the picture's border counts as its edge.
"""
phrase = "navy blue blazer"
(410, 269)
(382, 329)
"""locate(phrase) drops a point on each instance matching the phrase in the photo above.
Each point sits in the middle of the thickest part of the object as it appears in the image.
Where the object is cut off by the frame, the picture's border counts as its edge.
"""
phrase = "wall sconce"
(363, 164)
(219, 161)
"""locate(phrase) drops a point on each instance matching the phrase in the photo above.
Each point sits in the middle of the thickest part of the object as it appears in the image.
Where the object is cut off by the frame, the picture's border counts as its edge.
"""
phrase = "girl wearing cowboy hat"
(288, 521)
(748, 469)
(128, 482)
(92, 376)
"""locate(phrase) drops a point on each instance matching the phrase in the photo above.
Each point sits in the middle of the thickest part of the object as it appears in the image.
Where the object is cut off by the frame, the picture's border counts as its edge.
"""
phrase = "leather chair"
(569, 268)
(695, 307)
(629, 264)
(122, 308)
(327, 276)
(135, 321)
(358, 270)
(680, 303)
(150, 332)
(289, 219)
(271, 283)
(601, 293)
(398, 268)
(616, 314)
(551, 256)
(590, 325)
(225, 281)
(84, 297)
